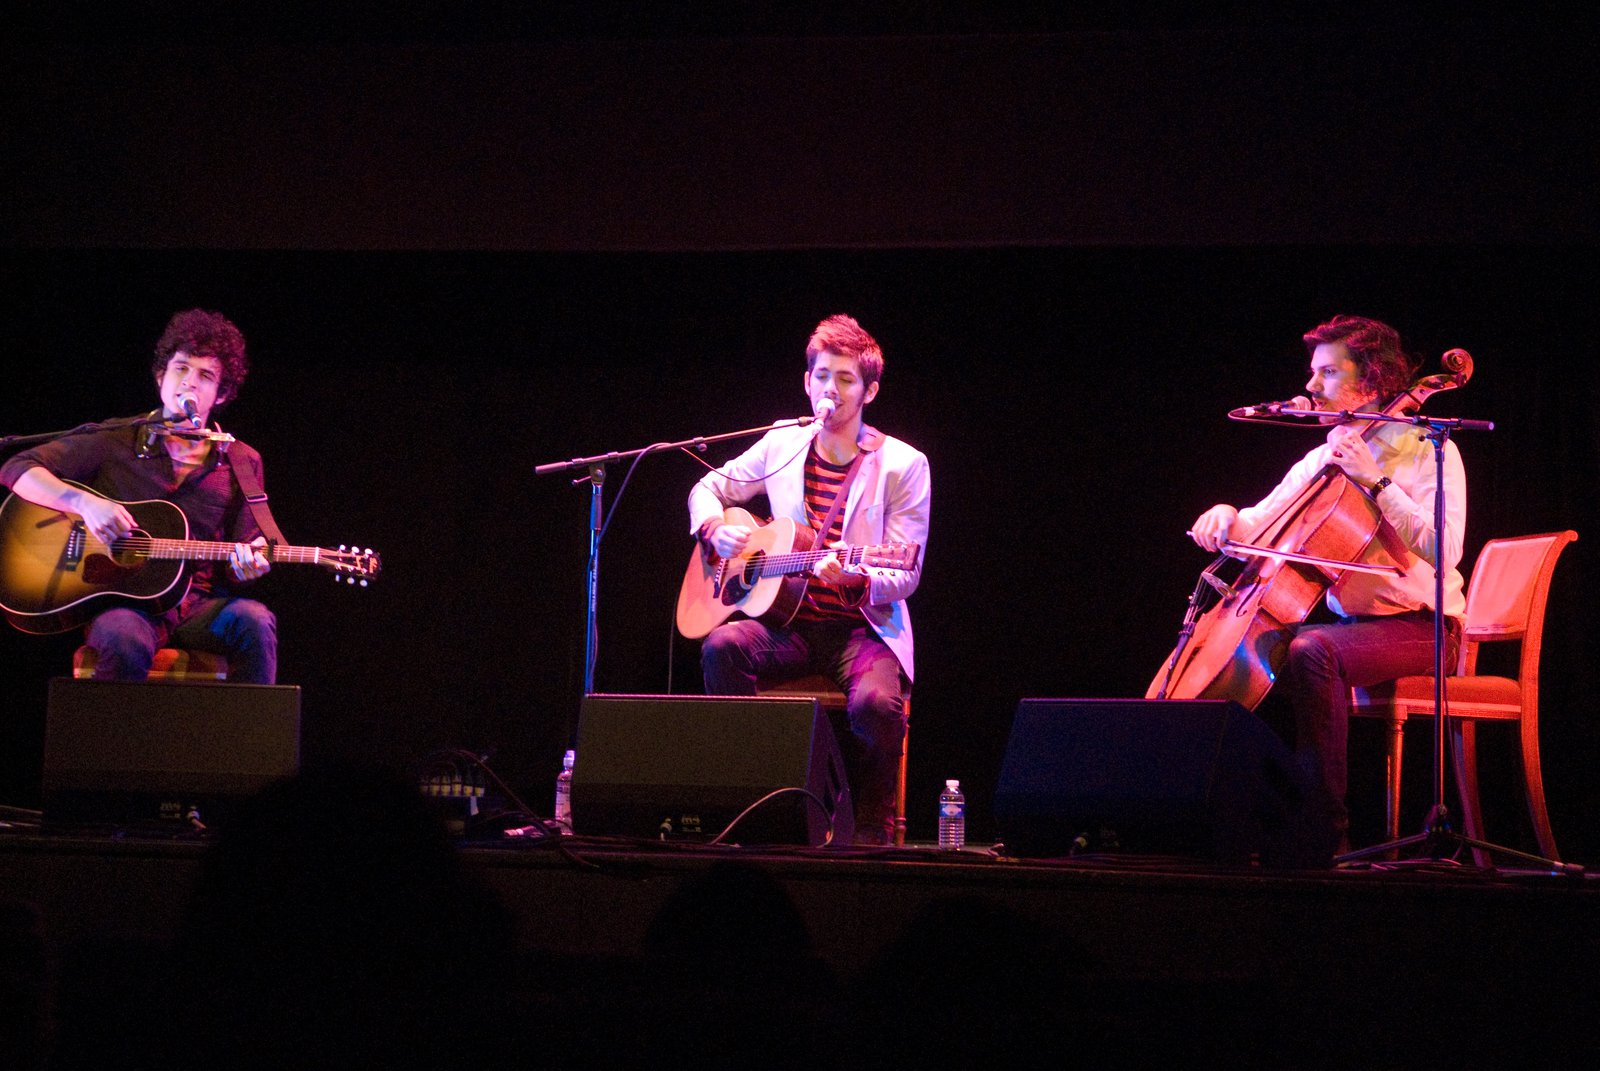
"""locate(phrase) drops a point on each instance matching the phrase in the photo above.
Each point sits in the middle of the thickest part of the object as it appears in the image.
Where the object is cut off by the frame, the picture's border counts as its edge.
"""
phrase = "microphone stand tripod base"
(1441, 843)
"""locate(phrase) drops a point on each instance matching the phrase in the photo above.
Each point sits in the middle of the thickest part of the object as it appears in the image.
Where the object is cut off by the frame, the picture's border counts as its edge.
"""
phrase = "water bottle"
(952, 817)
(563, 813)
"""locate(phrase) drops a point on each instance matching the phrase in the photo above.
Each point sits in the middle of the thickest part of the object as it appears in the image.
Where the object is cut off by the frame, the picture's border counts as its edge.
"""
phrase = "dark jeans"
(739, 653)
(242, 630)
(1326, 661)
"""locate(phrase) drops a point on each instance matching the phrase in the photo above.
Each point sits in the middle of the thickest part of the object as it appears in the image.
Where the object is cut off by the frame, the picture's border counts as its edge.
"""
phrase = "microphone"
(825, 408)
(1298, 404)
(190, 408)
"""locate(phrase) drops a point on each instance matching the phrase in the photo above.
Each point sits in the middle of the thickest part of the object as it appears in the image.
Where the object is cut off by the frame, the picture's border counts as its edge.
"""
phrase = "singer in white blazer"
(854, 624)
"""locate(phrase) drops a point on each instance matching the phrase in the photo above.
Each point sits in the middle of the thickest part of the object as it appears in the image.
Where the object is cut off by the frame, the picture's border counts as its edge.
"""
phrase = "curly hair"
(205, 334)
(842, 335)
(1375, 350)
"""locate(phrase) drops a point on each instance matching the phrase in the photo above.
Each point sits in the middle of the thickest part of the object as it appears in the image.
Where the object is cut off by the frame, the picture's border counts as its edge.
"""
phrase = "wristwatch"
(1377, 488)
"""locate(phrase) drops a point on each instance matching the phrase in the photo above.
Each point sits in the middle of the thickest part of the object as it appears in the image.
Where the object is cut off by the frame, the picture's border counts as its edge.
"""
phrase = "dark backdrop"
(459, 255)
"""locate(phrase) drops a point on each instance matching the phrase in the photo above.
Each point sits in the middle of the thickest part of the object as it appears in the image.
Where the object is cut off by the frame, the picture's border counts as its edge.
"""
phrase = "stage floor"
(609, 931)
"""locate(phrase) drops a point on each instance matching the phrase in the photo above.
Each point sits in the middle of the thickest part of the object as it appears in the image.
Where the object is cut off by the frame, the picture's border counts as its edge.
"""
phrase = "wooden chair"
(1505, 601)
(833, 700)
(171, 664)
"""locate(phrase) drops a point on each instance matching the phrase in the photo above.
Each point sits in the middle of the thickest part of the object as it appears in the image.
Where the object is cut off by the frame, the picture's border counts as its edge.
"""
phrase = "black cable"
(812, 796)
(735, 479)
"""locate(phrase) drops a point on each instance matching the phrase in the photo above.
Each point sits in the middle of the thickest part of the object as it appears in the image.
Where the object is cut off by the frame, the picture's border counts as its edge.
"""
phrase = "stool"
(171, 664)
(824, 690)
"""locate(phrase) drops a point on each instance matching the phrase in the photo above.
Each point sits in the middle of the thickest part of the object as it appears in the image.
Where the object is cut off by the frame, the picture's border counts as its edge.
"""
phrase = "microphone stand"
(595, 478)
(158, 427)
(8, 441)
(1438, 838)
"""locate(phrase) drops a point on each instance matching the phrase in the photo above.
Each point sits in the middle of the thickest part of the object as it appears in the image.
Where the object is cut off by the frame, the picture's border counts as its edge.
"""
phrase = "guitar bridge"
(72, 552)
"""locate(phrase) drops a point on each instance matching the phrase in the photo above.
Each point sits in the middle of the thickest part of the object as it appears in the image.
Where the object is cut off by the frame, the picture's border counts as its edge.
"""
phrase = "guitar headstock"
(892, 555)
(353, 566)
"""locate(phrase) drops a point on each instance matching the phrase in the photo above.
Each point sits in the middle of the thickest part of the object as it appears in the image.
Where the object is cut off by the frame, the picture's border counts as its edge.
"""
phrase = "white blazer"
(888, 503)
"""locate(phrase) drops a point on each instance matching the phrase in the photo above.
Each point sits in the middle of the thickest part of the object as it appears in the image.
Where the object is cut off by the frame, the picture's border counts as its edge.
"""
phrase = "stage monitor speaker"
(154, 752)
(684, 766)
(1189, 777)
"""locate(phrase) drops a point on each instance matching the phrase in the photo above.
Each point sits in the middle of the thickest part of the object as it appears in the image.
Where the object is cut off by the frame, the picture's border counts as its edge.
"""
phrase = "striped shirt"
(823, 480)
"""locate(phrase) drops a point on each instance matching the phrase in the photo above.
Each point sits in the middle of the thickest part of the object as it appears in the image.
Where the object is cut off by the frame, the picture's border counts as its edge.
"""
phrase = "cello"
(1235, 647)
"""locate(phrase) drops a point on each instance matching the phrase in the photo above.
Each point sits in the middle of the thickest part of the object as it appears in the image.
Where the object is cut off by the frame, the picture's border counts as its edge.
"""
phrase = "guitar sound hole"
(752, 570)
(738, 584)
(125, 553)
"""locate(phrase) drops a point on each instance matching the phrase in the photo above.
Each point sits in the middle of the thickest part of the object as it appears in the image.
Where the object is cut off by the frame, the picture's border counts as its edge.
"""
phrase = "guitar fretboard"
(801, 561)
(198, 550)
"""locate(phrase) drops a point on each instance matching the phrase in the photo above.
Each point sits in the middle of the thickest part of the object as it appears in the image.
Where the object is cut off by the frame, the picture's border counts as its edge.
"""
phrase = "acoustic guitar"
(55, 576)
(767, 580)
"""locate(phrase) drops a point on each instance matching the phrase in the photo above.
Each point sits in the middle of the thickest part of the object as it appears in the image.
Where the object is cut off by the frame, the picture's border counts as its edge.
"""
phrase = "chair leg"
(1397, 739)
(1533, 780)
(900, 793)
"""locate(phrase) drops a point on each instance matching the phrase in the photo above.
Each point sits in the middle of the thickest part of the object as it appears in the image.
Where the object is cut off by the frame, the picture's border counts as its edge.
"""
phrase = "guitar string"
(852, 556)
(201, 550)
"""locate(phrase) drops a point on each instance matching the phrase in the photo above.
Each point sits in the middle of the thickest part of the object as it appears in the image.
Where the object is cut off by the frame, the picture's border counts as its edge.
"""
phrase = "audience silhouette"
(334, 924)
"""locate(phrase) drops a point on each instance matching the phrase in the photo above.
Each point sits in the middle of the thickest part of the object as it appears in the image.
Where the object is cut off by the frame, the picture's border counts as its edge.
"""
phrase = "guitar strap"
(256, 499)
(838, 499)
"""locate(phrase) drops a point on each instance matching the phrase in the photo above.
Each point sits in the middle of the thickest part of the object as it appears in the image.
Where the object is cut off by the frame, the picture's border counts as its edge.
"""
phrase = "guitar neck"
(801, 561)
(198, 550)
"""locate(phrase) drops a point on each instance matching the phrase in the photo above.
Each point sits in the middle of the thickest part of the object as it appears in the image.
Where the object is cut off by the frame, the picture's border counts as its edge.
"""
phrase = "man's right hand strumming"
(727, 539)
(106, 520)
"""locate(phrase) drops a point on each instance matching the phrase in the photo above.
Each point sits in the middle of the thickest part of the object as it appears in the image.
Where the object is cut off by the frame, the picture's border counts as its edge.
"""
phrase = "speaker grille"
(686, 766)
(1189, 777)
(129, 752)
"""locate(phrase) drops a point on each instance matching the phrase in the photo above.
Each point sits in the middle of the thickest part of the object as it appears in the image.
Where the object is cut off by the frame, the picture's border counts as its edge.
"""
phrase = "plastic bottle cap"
(952, 783)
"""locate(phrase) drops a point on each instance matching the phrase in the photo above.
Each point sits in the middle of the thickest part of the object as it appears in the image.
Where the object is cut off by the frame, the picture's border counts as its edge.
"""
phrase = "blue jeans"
(242, 630)
(1326, 661)
(739, 653)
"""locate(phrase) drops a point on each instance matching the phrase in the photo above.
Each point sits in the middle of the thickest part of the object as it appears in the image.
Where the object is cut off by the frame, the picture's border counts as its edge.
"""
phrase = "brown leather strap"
(256, 499)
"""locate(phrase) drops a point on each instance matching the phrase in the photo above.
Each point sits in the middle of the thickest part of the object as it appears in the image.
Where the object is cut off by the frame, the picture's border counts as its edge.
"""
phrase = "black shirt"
(111, 463)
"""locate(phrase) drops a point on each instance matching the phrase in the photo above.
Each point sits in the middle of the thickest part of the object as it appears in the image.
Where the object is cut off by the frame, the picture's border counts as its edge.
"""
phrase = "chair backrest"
(1507, 595)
